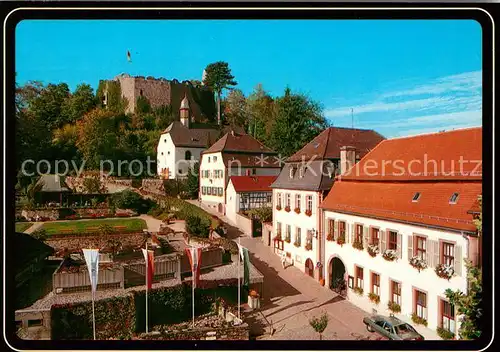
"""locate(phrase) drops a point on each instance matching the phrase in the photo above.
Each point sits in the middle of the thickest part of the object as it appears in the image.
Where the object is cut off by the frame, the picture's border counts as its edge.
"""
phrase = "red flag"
(194, 255)
(149, 257)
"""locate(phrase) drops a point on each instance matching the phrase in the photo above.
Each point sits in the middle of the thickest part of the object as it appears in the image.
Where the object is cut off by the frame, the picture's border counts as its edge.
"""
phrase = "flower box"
(340, 240)
(358, 291)
(418, 320)
(357, 245)
(309, 247)
(372, 250)
(297, 210)
(445, 334)
(374, 297)
(394, 307)
(329, 237)
(287, 239)
(278, 207)
(445, 271)
(308, 212)
(418, 263)
(287, 209)
(296, 244)
(277, 237)
(390, 255)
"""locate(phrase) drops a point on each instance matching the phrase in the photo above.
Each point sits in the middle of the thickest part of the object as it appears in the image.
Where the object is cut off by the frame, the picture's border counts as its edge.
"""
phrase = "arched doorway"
(309, 267)
(336, 271)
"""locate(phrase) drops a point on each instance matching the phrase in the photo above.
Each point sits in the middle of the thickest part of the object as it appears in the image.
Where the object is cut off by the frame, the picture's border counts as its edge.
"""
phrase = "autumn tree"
(218, 77)
(260, 109)
(235, 109)
(298, 120)
(79, 103)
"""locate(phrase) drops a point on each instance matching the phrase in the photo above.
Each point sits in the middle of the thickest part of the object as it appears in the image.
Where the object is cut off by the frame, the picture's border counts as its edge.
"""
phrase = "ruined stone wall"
(127, 85)
(157, 91)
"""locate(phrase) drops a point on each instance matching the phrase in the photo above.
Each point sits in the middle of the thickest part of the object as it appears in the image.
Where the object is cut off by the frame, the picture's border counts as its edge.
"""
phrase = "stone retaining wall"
(239, 332)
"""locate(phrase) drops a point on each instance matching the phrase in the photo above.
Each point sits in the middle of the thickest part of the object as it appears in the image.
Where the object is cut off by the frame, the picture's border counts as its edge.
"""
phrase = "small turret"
(184, 111)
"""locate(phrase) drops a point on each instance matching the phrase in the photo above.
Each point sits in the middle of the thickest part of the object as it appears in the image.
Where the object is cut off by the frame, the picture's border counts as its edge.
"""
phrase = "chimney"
(347, 158)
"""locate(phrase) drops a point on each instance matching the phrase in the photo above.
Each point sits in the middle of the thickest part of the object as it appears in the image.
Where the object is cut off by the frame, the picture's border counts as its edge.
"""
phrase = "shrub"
(394, 307)
(445, 334)
(131, 200)
(319, 324)
(40, 234)
(417, 320)
(374, 297)
(264, 214)
(197, 226)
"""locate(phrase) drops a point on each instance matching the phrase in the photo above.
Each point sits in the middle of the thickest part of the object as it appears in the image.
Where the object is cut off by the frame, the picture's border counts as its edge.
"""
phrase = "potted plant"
(374, 297)
(296, 243)
(445, 271)
(358, 290)
(372, 250)
(358, 245)
(297, 210)
(309, 246)
(308, 212)
(319, 324)
(390, 255)
(418, 263)
(341, 240)
(287, 209)
(394, 307)
(418, 320)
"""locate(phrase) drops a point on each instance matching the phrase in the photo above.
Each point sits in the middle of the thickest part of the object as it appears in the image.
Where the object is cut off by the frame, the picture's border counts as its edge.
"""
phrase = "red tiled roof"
(256, 160)
(252, 183)
(238, 142)
(328, 143)
(453, 155)
(393, 201)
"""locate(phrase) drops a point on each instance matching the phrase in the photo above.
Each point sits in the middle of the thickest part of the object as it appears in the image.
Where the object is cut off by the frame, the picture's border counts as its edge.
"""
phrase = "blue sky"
(400, 77)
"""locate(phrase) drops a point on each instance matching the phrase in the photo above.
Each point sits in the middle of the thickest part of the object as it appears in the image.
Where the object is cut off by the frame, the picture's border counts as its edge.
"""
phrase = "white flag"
(92, 260)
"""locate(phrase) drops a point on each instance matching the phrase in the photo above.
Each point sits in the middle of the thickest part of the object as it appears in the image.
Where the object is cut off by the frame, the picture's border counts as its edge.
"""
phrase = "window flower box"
(418, 320)
(445, 334)
(309, 247)
(277, 237)
(329, 237)
(287, 239)
(390, 255)
(340, 240)
(374, 298)
(308, 212)
(287, 209)
(278, 207)
(297, 210)
(296, 244)
(357, 245)
(444, 271)
(394, 307)
(372, 250)
(358, 291)
(418, 263)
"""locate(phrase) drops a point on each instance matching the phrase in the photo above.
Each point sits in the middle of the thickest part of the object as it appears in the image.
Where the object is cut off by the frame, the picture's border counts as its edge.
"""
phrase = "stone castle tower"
(161, 92)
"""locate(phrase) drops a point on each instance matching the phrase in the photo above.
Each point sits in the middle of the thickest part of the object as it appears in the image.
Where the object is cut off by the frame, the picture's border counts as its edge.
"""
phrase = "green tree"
(193, 181)
(64, 142)
(40, 234)
(264, 214)
(261, 113)
(235, 108)
(219, 77)
(469, 304)
(319, 324)
(298, 121)
(142, 105)
(79, 103)
(197, 226)
(47, 106)
(93, 185)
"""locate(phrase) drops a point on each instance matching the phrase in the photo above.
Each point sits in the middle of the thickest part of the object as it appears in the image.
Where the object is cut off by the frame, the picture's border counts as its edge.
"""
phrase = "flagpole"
(93, 313)
(194, 275)
(147, 276)
(239, 286)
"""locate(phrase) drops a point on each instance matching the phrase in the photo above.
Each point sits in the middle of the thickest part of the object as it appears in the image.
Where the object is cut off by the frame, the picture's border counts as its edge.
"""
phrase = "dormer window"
(416, 197)
(208, 159)
(301, 172)
(454, 198)
(292, 171)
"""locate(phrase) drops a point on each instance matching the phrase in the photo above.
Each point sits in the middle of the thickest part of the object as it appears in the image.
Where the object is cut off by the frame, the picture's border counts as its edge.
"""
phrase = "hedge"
(115, 317)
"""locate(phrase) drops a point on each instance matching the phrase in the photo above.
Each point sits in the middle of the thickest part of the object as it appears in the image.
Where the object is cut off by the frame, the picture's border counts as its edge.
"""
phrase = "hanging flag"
(129, 57)
(92, 261)
(246, 264)
(149, 258)
(194, 255)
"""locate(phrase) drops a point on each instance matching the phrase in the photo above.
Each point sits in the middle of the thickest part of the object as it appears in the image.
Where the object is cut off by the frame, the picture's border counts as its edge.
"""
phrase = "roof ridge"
(433, 133)
(352, 128)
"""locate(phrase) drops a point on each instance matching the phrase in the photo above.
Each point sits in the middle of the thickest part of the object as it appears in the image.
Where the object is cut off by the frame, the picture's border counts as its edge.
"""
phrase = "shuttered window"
(359, 233)
(447, 316)
(342, 228)
(309, 203)
(376, 284)
(392, 240)
(279, 200)
(420, 247)
(331, 224)
(396, 292)
(375, 236)
(447, 254)
(359, 277)
(421, 304)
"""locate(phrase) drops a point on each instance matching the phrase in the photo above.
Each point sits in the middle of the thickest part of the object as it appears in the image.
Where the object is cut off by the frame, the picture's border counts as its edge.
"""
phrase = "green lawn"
(23, 226)
(88, 226)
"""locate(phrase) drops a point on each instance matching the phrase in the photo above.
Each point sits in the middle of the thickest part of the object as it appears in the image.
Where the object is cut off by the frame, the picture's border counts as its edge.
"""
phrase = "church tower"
(184, 111)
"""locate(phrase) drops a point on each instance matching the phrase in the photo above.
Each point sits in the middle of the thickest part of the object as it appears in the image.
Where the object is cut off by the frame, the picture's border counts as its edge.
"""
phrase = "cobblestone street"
(291, 298)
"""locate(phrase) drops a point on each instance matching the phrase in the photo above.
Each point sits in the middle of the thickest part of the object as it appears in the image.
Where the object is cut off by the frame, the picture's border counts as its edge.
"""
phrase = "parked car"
(391, 327)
